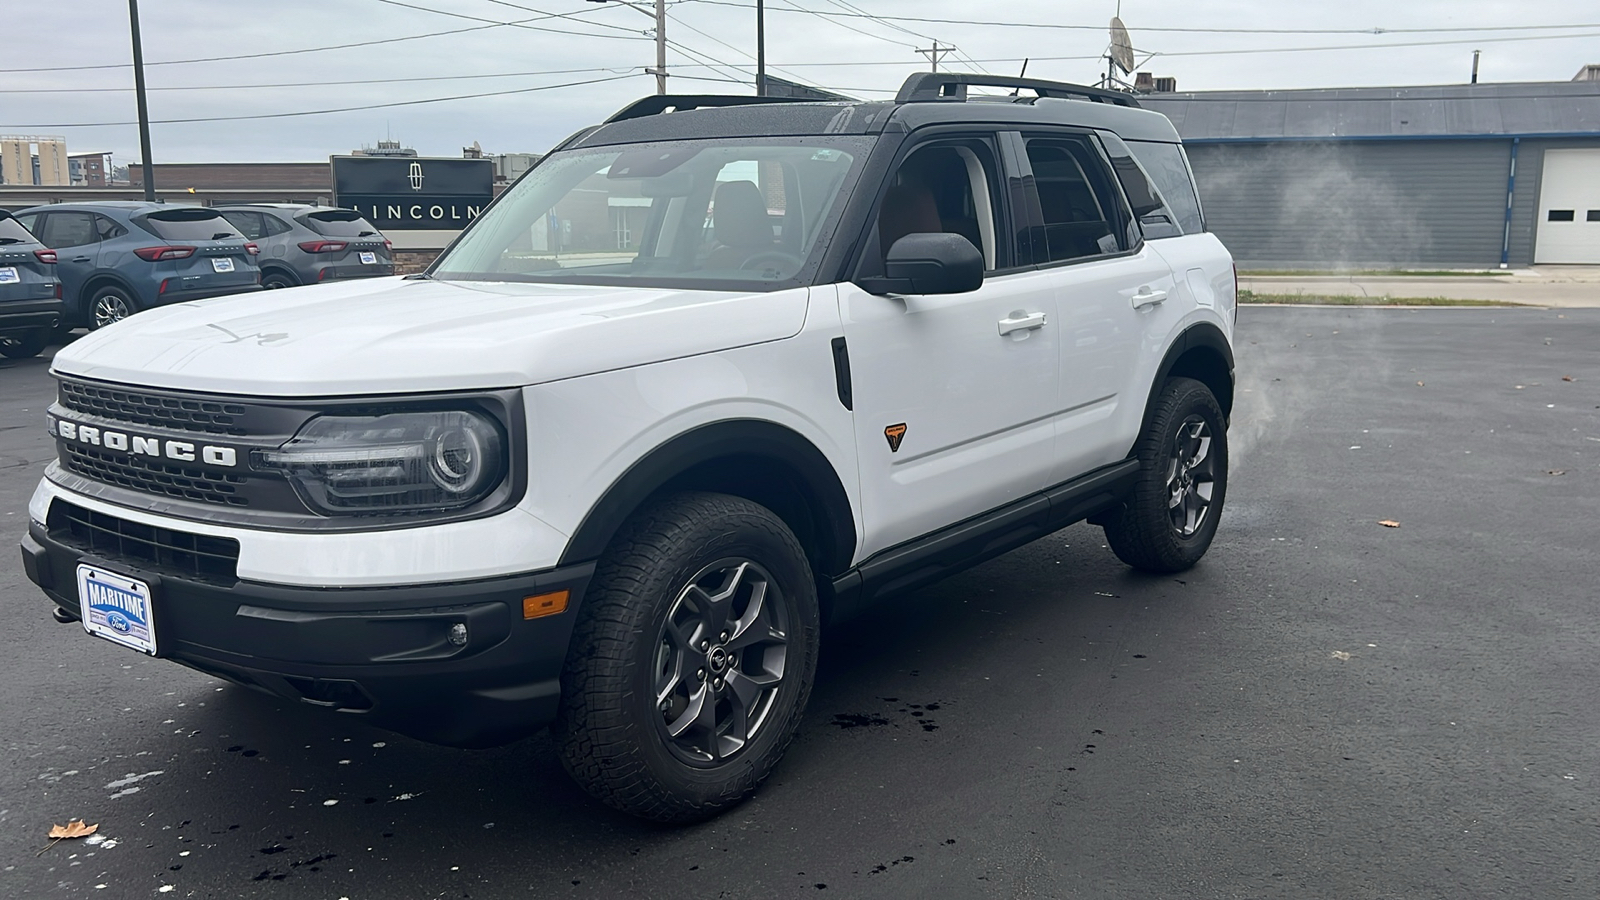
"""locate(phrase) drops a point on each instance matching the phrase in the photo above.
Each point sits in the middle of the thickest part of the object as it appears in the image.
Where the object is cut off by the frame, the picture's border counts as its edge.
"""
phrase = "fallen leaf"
(1339, 654)
(1420, 384)
(1556, 472)
(1568, 378)
(73, 829)
(1389, 523)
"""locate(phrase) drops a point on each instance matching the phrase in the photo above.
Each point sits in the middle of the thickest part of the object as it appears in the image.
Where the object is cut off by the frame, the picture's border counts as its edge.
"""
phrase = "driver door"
(954, 395)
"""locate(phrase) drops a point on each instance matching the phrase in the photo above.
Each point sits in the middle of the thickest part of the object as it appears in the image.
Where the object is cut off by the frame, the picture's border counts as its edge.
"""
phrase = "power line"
(618, 70)
(1101, 28)
(738, 50)
(274, 53)
(320, 112)
(632, 35)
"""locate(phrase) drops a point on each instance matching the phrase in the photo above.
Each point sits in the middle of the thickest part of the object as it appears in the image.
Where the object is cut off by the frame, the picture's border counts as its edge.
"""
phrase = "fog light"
(458, 634)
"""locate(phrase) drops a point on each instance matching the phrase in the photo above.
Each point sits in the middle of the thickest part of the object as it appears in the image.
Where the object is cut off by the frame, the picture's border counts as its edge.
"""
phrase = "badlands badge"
(895, 434)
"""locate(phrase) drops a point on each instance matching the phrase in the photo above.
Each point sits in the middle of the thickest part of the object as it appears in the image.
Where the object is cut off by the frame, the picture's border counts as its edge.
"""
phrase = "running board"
(949, 550)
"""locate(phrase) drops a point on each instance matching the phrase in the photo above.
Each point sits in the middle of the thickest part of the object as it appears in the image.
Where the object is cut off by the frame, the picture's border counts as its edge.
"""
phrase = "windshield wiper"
(221, 236)
(6, 240)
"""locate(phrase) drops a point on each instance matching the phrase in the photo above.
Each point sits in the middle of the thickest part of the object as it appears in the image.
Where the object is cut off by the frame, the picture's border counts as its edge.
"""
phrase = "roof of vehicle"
(925, 99)
(130, 207)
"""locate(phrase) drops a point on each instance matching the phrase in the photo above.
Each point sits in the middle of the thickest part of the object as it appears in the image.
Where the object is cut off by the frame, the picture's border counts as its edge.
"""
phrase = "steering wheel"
(765, 257)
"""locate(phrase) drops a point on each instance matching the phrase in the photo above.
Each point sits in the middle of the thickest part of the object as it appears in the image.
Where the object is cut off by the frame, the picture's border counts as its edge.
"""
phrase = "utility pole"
(937, 53)
(761, 48)
(660, 16)
(661, 46)
(144, 110)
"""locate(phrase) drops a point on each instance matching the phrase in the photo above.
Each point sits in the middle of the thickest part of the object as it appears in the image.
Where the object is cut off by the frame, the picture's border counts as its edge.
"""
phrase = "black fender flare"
(730, 439)
(1202, 336)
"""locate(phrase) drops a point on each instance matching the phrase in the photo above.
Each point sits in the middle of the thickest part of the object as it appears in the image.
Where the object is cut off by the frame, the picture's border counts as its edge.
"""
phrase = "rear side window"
(1168, 167)
(1077, 201)
(12, 232)
(248, 223)
(190, 225)
(339, 223)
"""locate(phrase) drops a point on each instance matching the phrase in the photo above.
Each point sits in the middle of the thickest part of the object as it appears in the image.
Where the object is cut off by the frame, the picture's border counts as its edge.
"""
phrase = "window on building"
(1562, 215)
(1593, 216)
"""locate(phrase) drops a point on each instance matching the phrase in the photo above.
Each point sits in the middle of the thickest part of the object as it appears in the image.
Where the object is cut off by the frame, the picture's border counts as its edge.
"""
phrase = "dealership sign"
(398, 193)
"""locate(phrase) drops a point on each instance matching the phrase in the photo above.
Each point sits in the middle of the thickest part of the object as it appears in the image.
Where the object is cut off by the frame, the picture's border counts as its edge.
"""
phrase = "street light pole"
(144, 110)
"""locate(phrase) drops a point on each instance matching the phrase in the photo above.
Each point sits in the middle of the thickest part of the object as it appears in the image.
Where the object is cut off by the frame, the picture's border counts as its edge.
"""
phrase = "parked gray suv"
(30, 292)
(303, 244)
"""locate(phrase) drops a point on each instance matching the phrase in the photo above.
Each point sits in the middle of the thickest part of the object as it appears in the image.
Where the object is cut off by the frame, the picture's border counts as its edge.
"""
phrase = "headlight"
(393, 464)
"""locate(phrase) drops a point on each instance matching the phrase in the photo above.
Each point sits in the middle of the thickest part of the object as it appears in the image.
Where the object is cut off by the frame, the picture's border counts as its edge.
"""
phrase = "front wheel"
(1170, 518)
(692, 661)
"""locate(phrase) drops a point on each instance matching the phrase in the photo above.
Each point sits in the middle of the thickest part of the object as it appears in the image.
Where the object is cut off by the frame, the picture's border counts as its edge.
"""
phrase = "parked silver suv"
(303, 244)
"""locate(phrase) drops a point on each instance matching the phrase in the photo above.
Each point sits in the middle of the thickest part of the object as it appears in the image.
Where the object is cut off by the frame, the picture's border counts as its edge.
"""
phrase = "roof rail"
(656, 104)
(951, 87)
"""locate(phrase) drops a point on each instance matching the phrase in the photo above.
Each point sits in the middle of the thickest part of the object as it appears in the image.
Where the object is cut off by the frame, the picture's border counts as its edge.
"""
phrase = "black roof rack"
(951, 87)
(656, 104)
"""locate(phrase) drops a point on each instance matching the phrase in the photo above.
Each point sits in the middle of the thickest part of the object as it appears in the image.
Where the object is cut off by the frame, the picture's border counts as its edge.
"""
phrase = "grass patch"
(1371, 273)
(1246, 296)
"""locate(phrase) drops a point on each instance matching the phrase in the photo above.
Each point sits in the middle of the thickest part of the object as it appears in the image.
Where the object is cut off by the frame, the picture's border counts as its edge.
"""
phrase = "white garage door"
(1569, 208)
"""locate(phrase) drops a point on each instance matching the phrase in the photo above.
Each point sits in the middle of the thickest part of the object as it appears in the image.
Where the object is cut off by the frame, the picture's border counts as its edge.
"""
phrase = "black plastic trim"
(724, 440)
(951, 87)
(658, 104)
(949, 550)
(1201, 335)
(841, 373)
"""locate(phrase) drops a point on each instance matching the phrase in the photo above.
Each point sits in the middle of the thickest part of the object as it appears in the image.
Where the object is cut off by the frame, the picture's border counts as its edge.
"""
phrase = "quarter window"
(1168, 167)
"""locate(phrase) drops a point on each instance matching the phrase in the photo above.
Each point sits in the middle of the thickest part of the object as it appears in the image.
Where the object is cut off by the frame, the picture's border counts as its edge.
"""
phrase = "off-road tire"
(26, 345)
(1143, 533)
(608, 727)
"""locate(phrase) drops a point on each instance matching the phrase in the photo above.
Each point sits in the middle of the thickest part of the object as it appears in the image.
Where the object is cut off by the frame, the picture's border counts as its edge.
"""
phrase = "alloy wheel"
(111, 308)
(1191, 476)
(719, 662)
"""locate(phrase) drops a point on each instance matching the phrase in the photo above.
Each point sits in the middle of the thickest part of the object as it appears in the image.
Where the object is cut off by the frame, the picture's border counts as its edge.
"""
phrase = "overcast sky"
(713, 39)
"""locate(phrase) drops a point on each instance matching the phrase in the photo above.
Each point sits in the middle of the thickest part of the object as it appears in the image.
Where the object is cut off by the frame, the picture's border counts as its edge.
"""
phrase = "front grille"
(162, 550)
(154, 477)
(143, 408)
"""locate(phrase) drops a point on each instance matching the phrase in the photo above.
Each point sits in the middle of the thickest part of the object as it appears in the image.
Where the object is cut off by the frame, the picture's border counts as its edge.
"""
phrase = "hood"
(391, 335)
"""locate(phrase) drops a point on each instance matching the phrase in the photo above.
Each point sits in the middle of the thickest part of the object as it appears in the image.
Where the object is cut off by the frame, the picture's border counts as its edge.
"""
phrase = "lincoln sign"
(409, 193)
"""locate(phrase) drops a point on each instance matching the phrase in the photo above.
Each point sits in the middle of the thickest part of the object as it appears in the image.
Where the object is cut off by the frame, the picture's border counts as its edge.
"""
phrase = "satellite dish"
(1121, 46)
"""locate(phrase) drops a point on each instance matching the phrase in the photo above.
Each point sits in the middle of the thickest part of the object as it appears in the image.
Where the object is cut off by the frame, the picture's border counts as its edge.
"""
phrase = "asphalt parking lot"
(1325, 707)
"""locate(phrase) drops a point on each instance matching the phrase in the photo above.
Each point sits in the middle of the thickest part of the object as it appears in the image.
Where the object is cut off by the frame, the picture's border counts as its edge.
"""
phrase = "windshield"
(725, 214)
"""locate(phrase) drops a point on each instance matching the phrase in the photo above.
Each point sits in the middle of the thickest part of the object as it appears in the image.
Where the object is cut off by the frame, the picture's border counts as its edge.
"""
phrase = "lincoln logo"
(138, 445)
(416, 176)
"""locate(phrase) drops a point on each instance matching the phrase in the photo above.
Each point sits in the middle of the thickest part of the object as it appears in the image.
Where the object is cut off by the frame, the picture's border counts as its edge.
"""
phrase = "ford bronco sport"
(714, 373)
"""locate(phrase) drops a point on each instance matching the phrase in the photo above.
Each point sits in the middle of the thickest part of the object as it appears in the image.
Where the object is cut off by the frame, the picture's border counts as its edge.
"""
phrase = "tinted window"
(1076, 199)
(1168, 167)
(340, 223)
(273, 225)
(108, 229)
(12, 232)
(1155, 219)
(30, 221)
(190, 225)
(1561, 215)
(69, 229)
(948, 188)
(248, 223)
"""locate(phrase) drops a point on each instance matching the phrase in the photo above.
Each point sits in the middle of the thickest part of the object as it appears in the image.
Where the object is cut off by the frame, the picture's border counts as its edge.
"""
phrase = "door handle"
(1021, 321)
(1147, 297)
(80, 259)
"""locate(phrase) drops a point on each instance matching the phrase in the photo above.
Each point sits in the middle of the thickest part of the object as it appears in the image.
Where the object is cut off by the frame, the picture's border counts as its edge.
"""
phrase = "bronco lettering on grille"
(134, 444)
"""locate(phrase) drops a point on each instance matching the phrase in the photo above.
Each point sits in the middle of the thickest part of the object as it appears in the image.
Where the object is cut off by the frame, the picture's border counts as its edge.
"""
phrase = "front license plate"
(368, 258)
(221, 264)
(116, 608)
(8, 274)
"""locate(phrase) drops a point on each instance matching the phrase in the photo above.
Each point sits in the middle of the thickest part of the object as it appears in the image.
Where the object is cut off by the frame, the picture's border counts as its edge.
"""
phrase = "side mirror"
(928, 264)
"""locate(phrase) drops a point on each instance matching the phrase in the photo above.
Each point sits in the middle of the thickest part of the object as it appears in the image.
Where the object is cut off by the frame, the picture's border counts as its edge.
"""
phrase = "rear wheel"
(1168, 522)
(276, 280)
(692, 661)
(111, 304)
(25, 345)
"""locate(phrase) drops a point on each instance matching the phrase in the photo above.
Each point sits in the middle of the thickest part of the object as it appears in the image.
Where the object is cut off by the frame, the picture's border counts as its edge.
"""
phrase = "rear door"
(75, 238)
(1111, 291)
(954, 395)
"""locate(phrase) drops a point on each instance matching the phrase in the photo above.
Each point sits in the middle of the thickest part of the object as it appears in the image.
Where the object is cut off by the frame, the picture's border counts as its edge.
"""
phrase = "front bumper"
(380, 652)
(19, 316)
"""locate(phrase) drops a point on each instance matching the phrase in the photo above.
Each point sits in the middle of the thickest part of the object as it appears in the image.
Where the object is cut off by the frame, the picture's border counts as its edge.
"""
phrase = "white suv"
(716, 372)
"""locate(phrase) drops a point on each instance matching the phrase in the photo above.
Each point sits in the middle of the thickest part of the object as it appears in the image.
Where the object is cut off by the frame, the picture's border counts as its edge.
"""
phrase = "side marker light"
(537, 607)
